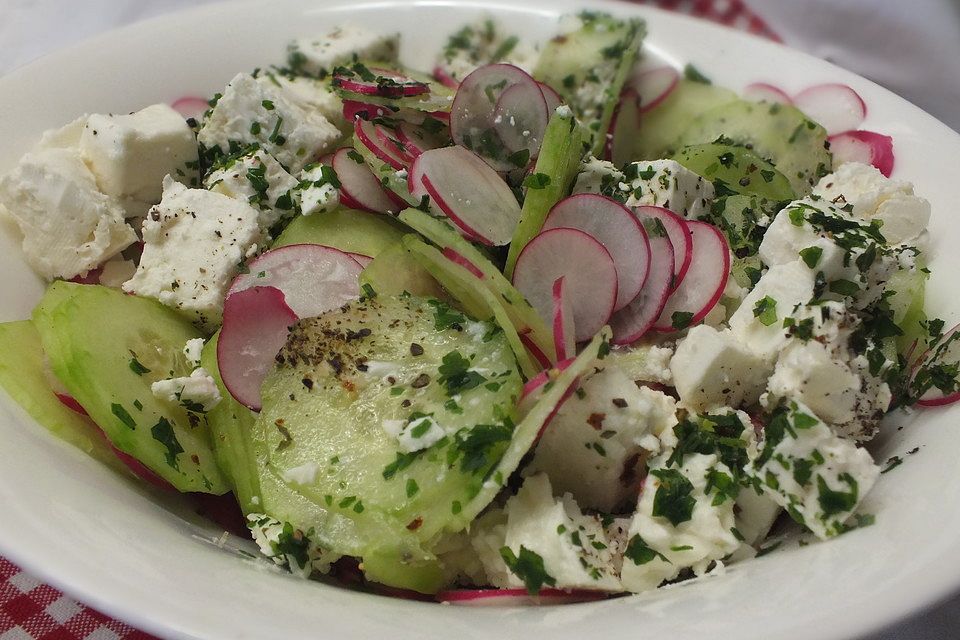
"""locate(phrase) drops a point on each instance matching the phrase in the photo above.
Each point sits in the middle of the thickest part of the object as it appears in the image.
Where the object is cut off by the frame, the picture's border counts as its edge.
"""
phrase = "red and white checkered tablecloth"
(31, 610)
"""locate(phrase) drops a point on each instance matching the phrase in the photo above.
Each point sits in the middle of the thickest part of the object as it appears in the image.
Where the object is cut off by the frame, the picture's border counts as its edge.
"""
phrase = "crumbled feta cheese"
(131, 154)
(289, 547)
(667, 184)
(592, 447)
(683, 520)
(488, 535)
(645, 363)
(598, 176)
(66, 137)
(69, 227)
(317, 190)
(419, 434)
(564, 111)
(255, 177)
(312, 95)
(193, 351)
(115, 271)
(251, 112)
(194, 242)
(347, 43)
(197, 392)
(305, 474)
(818, 477)
(481, 43)
(712, 369)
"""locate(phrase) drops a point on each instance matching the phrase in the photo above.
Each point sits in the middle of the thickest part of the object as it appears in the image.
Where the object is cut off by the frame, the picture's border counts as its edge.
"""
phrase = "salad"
(546, 324)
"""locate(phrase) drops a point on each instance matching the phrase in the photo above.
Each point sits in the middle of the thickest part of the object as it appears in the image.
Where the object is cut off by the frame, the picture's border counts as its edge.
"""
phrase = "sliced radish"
(313, 278)
(521, 117)
(835, 106)
(416, 139)
(703, 285)
(454, 256)
(764, 92)
(359, 187)
(443, 77)
(617, 229)
(624, 128)
(563, 331)
(367, 134)
(529, 397)
(633, 321)
(517, 597)
(364, 110)
(256, 322)
(476, 124)
(653, 86)
(678, 231)
(469, 192)
(392, 143)
(531, 346)
(551, 97)
(361, 259)
(945, 351)
(388, 83)
(191, 106)
(589, 271)
(863, 146)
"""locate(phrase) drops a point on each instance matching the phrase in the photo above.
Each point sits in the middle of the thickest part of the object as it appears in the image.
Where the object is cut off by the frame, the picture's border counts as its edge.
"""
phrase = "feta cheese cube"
(68, 225)
(758, 322)
(194, 242)
(257, 178)
(317, 190)
(712, 369)
(667, 184)
(312, 95)
(131, 154)
(193, 351)
(598, 176)
(807, 372)
(572, 546)
(197, 392)
(347, 43)
(818, 477)
(252, 112)
(66, 137)
(593, 446)
(115, 271)
(683, 520)
(755, 515)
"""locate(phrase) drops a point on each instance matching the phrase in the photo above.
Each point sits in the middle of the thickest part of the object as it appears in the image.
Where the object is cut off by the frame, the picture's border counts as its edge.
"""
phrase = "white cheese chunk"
(193, 351)
(66, 137)
(347, 43)
(197, 392)
(667, 184)
(755, 515)
(131, 154)
(252, 112)
(419, 434)
(194, 242)
(593, 449)
(692, 528)
(818, 477)
(273, 537)
(316, 190)
(310, 94)
(645, 363)
(255, 177)
(69, 227)
(598, 176)
(488, 535)
(115, 271)
(712, 369)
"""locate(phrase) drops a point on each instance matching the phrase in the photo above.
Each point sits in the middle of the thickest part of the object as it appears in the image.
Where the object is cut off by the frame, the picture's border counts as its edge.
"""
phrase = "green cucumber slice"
(396, 271)
(345, 229)
(735, 170)
(99, 341)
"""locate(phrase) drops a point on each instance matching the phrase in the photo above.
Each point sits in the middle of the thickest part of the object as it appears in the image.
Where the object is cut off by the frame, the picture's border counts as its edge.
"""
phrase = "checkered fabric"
(31, 610)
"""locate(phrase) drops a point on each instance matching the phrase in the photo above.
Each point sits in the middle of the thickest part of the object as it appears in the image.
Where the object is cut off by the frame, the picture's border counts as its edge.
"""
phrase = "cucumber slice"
(735, 170)
(906, 302)
(559, 160)
(662, 126)
(345, 229)
(796, 145)
(345, 376)
(743, 219)
(438, 99)
(23, 377)
(96, 339)
(588, 68)
(395, 271)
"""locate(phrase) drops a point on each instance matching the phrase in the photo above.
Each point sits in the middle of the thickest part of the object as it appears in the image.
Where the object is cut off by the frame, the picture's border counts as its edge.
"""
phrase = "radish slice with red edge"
(529, 396)
(551, 97)
(633, 321)
(359, 188)
(589, 271)
(443, 77)
(835, 106)
(363, 110)
(678, 230)
(361, 259)
(392, 143)
(863, 146)
(313, 278)
(453, 256)
(416, 139)
(764, 92)
(563, 331)
(531, 346)
(945, 351)
(367, 134)
(469, 192)
(256, 322)
(474, 121)
(517, 597)
(703, 285)
(654, 85)
(617, 229)
(191, 106)
(387, 83)
(624, 128)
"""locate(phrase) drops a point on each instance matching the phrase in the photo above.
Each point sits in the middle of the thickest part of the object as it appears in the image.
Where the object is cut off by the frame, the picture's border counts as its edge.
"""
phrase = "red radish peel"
(864, 146)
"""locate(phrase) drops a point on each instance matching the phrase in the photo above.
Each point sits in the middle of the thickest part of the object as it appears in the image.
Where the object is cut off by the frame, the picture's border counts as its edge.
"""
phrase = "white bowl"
(114, 545)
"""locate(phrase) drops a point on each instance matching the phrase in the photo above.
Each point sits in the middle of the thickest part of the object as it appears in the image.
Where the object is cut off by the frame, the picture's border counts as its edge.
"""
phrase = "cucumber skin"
(82, 328)
(344, 229)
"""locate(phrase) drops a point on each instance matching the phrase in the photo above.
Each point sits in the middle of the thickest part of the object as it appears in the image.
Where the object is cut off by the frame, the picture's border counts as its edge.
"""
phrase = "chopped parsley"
(163, 433)
(137, 367)
(123, 416)
(640, 553)
(673, 499)
(765, 310)
(456, 375)
(528, 566)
